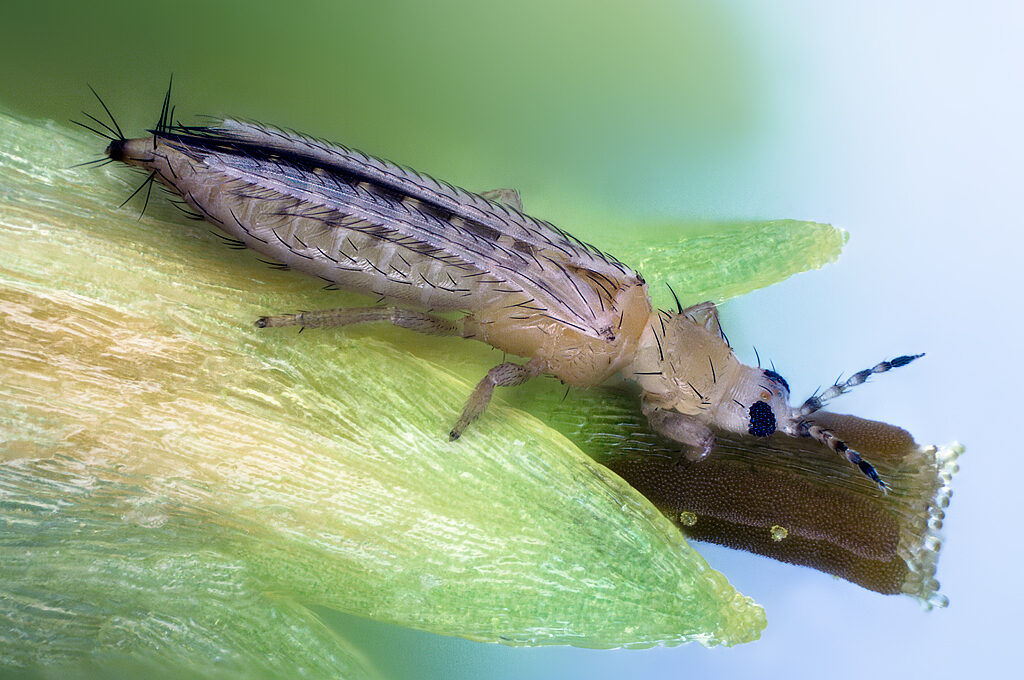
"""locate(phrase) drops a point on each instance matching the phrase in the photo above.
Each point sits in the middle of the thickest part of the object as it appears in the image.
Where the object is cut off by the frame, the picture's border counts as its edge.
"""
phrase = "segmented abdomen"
(374, 227)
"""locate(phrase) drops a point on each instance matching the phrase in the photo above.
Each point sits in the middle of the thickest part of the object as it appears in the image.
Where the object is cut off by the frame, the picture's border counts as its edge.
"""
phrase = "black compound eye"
(762, 419)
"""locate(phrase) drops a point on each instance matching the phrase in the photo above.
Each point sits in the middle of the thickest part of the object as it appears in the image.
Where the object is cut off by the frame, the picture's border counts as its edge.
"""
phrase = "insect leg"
(706, 314)
(829, 439)
(679, 427)
(502, 375)
(703, 309)
(405, 318)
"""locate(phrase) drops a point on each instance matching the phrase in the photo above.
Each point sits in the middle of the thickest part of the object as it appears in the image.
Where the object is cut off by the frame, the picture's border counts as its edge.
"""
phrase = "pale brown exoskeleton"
(518, 283)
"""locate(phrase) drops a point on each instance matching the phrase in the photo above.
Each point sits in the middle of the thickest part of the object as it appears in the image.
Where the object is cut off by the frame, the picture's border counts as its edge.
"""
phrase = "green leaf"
(289, 470)
(718, 261)
(101, 580)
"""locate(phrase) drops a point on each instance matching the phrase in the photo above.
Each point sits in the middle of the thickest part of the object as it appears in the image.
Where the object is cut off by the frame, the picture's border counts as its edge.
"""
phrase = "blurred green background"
(899, 123)
(590, 102)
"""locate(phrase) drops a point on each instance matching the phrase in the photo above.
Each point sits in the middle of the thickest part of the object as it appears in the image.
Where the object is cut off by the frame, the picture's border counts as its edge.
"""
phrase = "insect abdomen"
(376, 228)
(369, 226)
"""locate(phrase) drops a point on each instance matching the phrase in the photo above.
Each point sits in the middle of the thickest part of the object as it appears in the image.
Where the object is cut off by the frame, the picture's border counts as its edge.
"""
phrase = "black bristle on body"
(280, 266)
(232, 243)
(192, 215)
(111, 132)
(148, 186)
(679, 306)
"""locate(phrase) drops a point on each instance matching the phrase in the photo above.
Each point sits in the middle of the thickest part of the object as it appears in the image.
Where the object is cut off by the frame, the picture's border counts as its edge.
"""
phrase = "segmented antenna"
(815, 402)
(829, 439)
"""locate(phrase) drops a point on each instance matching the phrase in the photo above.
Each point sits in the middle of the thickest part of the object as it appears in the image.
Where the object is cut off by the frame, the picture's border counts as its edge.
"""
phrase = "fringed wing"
(372, 226)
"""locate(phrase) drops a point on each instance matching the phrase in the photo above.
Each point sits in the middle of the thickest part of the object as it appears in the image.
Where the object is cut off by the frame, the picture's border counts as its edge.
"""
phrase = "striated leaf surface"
(718, 261)
(99, 581)
(292, 470)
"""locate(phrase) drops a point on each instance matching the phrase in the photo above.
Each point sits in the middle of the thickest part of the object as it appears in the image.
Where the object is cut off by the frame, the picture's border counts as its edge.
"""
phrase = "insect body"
(520, 284)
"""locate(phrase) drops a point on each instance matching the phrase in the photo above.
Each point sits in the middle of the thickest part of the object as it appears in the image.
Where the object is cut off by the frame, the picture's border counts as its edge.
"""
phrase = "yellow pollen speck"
(687, 518)
(779, 533)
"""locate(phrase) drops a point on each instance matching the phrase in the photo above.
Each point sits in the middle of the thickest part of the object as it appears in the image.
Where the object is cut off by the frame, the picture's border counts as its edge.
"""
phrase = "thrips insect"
(520, 284)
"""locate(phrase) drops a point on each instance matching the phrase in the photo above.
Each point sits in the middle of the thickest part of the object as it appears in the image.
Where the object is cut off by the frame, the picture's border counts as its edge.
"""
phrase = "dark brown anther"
(797, 502)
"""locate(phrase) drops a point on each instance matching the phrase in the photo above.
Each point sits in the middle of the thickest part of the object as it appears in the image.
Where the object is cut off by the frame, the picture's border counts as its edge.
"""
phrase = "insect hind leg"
(502, 375)
(412, 319)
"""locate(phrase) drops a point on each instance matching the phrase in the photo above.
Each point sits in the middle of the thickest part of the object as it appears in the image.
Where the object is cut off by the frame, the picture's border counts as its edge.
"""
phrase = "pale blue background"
(900, 122)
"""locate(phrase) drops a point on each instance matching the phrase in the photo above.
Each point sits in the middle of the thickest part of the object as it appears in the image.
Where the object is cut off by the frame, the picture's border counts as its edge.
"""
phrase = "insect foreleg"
(679, 427)
(502, 375)
(829, 439)
(345, 316)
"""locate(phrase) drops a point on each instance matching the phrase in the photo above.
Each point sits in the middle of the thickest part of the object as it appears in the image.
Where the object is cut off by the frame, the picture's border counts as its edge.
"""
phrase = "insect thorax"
(583, 357)
(687, 367)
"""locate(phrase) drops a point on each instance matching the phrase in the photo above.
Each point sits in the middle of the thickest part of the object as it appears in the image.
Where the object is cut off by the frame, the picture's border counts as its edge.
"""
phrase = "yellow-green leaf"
(301, 470)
